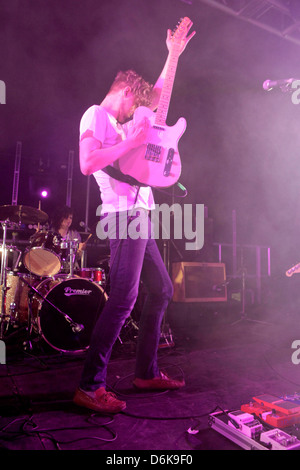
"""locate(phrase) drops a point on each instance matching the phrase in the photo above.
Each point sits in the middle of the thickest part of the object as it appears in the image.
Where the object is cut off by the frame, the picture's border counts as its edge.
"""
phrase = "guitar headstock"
(181, 29)
(293, 270)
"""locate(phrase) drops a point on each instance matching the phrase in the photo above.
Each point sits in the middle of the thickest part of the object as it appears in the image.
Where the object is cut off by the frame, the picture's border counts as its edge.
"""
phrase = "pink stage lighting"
(44, 193)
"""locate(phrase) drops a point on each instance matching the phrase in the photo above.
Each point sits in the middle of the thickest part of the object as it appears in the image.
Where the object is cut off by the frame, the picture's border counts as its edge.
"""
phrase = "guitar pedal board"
(248, 433)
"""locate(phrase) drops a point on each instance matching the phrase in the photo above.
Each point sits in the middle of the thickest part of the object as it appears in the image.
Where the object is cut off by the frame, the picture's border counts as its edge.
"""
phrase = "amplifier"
(199, 282)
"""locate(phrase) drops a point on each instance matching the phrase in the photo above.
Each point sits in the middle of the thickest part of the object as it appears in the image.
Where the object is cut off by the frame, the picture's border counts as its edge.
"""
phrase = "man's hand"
(138, 133)
(184, 41)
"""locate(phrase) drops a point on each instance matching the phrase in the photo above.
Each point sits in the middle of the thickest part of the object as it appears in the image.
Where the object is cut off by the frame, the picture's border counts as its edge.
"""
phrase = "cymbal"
(24, 214)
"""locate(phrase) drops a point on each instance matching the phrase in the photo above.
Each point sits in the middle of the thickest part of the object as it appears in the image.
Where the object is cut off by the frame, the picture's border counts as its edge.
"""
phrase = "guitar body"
(156, 163)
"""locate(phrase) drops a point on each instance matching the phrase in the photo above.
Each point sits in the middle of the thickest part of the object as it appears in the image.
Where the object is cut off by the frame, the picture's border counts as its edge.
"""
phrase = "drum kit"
(53, 305)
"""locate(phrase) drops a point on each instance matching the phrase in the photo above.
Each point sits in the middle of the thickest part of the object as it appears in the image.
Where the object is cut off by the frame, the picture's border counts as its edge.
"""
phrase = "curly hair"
(141, 89)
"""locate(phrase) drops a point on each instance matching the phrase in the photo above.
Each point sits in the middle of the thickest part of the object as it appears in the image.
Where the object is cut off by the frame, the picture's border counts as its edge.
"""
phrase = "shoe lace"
(108, 396)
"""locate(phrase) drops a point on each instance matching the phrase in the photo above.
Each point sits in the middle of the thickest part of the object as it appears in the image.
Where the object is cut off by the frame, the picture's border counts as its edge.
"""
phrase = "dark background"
(241, 149)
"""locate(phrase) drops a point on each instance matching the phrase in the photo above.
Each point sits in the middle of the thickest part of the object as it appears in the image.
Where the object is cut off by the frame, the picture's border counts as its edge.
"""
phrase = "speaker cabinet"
(199, 282)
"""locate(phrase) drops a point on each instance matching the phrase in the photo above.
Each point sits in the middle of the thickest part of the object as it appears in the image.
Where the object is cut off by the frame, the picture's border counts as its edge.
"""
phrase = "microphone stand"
(76, 327)
(166, 332)
(243, 313)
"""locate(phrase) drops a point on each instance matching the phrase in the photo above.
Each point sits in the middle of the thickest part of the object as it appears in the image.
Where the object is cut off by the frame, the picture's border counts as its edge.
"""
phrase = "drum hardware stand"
(131, 325)
(83, 257)
(27, 344)
(13, 213)
(3, 283)
(72, 255)
(73, 247)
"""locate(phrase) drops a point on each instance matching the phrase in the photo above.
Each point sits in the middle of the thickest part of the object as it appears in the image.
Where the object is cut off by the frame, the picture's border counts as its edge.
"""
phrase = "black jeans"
(132, 260)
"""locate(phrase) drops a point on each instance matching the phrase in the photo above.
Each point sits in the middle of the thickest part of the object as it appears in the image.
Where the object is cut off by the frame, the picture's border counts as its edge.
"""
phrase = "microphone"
(283, 84)
(84, 225)
(76, 327)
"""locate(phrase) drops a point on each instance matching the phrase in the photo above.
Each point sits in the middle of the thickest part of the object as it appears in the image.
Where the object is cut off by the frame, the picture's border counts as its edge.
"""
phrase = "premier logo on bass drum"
(69, 291)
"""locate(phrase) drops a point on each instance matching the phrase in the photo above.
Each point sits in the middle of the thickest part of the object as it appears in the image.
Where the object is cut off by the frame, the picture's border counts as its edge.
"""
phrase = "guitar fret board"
(164, 102)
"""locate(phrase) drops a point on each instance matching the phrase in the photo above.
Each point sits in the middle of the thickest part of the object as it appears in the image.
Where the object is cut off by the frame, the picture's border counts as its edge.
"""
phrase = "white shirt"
(115, 195)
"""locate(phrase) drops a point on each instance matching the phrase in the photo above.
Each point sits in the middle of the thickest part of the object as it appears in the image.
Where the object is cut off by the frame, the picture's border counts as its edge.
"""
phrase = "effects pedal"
(246, 423)
(230, 425)
(272, 402)
(276, 439)
(275, 411)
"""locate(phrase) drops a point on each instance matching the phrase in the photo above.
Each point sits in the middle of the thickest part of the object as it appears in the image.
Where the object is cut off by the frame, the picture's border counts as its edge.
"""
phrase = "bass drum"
(82, 300)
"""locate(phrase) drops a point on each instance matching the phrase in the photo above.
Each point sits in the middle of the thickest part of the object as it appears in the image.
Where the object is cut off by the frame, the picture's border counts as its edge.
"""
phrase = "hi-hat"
(22, 214)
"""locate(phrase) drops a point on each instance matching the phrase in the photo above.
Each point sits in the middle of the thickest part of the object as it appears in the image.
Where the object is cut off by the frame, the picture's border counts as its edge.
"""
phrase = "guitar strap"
(118, 175)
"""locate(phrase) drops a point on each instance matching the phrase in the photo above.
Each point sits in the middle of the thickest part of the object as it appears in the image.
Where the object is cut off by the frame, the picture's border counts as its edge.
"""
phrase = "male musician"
(62, 225)
(107, 134)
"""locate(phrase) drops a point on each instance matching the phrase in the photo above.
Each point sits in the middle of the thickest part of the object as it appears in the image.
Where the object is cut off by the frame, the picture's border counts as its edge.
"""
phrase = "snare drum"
(92, 274)
(43, 256)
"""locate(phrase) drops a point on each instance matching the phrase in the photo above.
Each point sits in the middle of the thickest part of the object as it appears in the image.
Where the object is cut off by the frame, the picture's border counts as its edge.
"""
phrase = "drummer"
(62, 225)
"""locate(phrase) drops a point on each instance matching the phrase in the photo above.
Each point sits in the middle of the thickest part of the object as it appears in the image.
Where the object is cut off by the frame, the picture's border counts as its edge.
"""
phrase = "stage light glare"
(44, 193)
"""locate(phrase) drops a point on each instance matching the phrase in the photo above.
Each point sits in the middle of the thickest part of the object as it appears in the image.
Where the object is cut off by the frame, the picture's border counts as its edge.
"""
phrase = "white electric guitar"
(157, 163)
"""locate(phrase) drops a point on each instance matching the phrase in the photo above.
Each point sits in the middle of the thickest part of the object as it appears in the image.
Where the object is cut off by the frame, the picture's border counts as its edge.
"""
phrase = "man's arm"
(160, 81)
(93, 157)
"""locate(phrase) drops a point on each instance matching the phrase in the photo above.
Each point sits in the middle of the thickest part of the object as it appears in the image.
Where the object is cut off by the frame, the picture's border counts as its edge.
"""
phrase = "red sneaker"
(163, 382)
(102, 401)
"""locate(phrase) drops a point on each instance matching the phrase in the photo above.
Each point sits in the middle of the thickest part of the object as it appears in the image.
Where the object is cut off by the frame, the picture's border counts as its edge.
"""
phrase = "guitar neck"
(165, 97)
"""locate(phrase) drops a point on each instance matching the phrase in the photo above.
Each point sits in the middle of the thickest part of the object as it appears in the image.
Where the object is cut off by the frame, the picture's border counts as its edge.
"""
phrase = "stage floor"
(224, 364)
